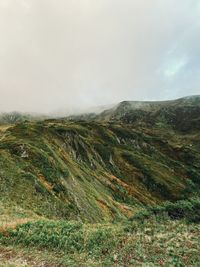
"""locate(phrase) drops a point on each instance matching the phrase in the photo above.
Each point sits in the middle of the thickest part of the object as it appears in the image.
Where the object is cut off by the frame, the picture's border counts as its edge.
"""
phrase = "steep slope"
(93, 171)
(182, 114)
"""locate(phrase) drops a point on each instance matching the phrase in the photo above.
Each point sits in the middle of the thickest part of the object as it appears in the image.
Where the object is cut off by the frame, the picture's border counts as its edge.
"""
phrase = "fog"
(70, 55)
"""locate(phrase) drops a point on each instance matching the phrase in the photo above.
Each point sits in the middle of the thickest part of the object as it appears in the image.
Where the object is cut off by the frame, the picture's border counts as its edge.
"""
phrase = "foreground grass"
(153, 243)
(150, 239)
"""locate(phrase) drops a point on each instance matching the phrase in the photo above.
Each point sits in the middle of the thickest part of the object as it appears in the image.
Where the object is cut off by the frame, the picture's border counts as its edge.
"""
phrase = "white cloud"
(58, 54)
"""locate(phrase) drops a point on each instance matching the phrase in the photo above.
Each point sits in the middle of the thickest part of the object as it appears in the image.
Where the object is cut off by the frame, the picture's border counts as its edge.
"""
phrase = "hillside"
(181, 114)
(84, 189)
(98, 171)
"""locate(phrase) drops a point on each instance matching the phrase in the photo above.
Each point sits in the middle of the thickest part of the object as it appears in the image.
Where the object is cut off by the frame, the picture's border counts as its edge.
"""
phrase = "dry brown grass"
(46, 184)
(3, 128)
(4, 226)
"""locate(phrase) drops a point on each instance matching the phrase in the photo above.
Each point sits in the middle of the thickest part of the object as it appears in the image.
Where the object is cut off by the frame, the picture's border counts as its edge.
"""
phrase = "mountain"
(181, 114)
(117, 188)
(135, 154)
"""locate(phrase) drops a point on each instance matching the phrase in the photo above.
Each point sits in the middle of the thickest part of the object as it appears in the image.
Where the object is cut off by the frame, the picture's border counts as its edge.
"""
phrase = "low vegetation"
(151, 238)
(116, 189)
(185, 209)
(92, 171)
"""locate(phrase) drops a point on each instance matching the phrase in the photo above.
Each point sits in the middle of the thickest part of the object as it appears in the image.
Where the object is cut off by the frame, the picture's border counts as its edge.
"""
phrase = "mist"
(70, 55)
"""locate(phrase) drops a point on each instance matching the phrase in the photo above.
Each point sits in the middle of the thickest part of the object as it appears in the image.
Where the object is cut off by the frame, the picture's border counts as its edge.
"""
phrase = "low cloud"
(75, 54)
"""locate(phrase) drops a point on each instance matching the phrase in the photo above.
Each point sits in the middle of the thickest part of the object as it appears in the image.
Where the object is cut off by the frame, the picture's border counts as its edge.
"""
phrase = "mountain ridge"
(96, 171)
(122, 188)
(181, 114)
(96, 113)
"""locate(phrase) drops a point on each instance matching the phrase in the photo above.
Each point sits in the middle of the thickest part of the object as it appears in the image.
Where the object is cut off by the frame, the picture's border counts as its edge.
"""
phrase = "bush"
(183, 209)
(100, 241)
(48, 234)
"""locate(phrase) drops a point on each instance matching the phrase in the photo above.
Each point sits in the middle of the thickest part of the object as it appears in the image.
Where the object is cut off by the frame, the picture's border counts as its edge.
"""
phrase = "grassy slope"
(92, 171)
(154, 241)
(53, 172)
(182, 114)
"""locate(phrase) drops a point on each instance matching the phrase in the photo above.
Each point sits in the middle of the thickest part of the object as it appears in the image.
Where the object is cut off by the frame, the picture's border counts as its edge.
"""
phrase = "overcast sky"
(72, 54)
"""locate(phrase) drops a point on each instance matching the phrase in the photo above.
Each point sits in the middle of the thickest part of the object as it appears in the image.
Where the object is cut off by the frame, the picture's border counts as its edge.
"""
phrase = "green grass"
(64, 170)
(152, 240)
(184, 209)
(118, 193)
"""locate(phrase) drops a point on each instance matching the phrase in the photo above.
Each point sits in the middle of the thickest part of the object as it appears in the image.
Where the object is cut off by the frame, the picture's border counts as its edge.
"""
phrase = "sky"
(70, 55)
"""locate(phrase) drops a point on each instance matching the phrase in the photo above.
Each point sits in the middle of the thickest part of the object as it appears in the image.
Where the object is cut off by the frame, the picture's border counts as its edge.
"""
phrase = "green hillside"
(181, 114)
(95, 171)
(87, 174)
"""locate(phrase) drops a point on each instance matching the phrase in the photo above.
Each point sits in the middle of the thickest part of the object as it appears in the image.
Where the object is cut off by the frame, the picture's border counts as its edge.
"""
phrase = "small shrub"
(183, 209)
(48, 234)
(100, 241)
